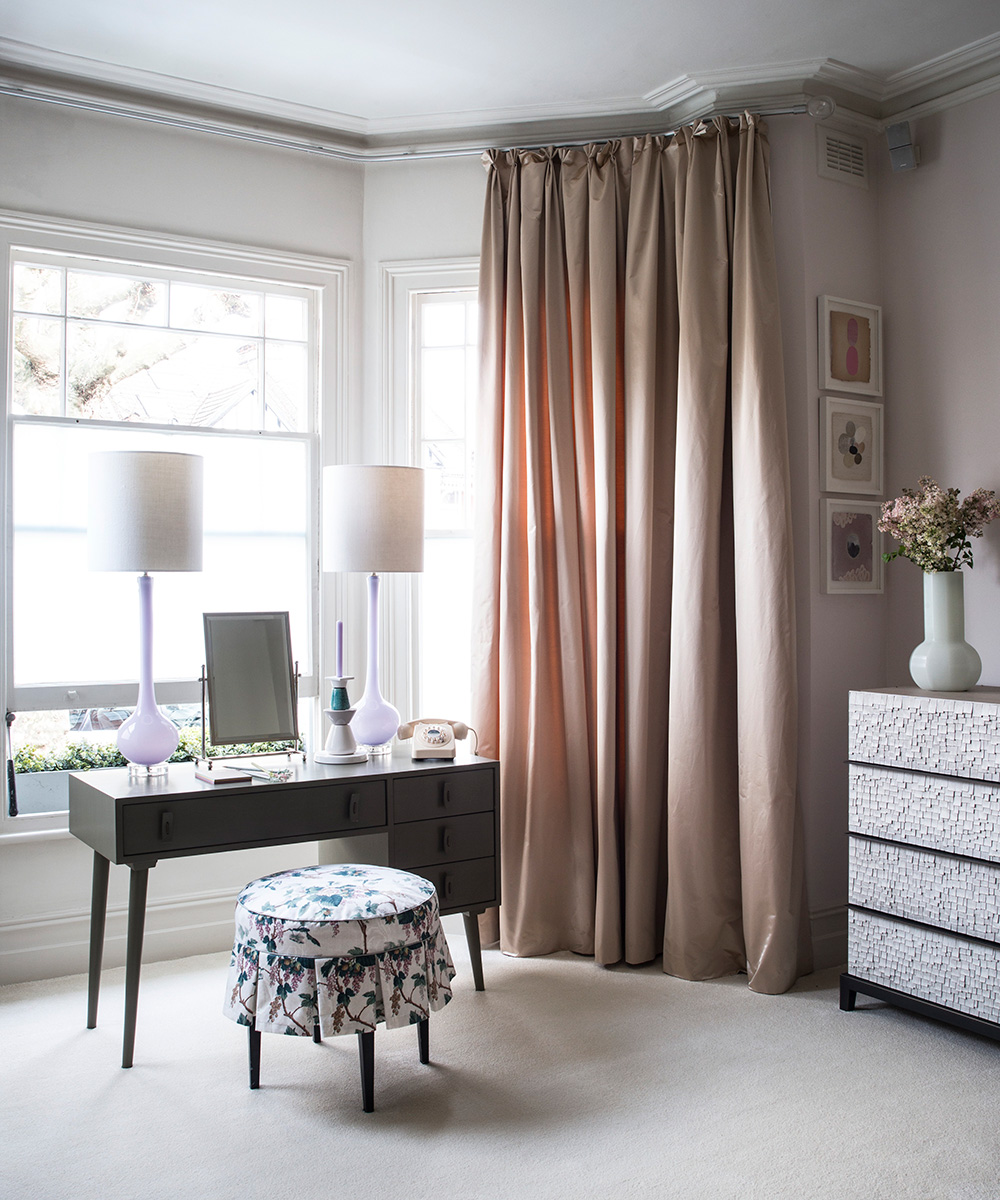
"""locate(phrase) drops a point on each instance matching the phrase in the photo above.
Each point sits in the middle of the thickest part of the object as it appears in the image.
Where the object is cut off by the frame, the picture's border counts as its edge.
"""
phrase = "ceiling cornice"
(862, 99)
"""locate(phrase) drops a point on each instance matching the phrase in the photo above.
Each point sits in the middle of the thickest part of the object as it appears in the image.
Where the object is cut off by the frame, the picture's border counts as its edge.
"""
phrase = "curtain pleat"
(634, 647)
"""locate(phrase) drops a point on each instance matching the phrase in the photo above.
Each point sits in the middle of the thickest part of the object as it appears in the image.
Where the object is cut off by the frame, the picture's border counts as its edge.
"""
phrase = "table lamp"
(373, 521)
(145, 514)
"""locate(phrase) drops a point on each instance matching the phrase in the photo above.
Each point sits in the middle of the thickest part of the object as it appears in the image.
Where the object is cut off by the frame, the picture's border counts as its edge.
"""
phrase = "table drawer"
(424, 796)
(939, 813)
(165, 827)
(444, 840)
(461, 885)
(927, 963)
(954, 893)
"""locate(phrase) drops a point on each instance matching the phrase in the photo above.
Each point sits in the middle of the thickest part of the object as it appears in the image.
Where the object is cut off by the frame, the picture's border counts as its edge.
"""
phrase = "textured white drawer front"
(926, 733)
(962, 816)
(956, 893)
(926, 963)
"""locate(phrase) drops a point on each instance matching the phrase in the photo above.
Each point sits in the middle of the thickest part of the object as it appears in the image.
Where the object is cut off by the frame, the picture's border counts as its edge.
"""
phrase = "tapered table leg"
(138, 880)
(98, 919)
(475, 948)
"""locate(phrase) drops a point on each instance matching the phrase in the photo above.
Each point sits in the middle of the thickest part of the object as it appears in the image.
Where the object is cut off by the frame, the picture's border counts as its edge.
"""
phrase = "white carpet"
(563, 1079)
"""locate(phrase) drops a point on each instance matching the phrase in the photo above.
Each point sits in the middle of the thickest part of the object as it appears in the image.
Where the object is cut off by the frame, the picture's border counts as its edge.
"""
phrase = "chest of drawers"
(924, 874)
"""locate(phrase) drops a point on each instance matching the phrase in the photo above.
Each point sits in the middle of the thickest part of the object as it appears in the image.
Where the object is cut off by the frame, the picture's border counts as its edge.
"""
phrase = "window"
(446, 334)
(169, 347)
(431, 333)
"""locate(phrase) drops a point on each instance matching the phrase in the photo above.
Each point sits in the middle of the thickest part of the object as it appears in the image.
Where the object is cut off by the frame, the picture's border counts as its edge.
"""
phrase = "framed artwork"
(850, 347)
(850, 445)
(852, 546)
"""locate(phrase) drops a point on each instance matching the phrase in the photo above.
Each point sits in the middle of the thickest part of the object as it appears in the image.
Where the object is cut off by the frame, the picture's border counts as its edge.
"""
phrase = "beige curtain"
(634, 656)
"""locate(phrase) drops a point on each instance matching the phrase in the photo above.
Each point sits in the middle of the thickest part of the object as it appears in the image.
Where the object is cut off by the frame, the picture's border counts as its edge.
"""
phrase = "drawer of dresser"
(927, 963)
(958, 815)
(286, 815)
(421, 797)
(443, 840)
(944, 735)
(461, 885)
(960, 894)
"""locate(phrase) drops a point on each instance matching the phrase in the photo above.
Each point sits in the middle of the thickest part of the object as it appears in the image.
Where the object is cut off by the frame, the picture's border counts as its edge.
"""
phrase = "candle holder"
(340, 745)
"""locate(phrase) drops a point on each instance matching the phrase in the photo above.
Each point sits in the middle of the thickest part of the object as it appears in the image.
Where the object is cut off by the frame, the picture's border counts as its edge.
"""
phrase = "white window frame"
(330, 281)
(401, 283)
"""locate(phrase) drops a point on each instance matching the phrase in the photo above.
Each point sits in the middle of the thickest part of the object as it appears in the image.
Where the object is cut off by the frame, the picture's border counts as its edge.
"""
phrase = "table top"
(180, 777)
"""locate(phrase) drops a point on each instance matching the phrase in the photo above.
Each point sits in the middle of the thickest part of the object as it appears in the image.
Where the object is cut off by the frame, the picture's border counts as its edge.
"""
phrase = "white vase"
(944, 661)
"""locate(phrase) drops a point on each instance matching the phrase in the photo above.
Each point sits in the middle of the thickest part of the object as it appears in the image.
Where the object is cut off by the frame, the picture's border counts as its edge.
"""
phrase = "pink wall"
(939, 233)
(826, 238)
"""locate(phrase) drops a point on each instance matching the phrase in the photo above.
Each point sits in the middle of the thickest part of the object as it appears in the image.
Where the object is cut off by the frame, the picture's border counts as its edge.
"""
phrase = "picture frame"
(850, 445)
(852, 546)
(850, 347)
(250, 678)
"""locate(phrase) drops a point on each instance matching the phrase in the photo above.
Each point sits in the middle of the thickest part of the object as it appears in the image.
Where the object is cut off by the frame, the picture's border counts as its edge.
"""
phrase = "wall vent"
(842, 156)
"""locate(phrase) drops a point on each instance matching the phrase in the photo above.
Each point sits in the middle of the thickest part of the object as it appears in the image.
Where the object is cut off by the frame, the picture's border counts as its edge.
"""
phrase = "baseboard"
(59, 943)
(829, 937)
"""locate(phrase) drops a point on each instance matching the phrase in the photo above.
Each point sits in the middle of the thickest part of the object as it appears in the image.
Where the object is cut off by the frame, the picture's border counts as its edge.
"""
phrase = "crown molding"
(862, 99)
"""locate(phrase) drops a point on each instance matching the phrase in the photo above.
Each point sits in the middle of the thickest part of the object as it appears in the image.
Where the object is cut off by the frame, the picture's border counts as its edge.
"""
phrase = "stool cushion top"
(336, 892)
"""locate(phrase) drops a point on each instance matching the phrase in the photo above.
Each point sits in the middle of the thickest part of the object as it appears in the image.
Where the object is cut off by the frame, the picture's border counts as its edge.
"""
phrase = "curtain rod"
(304, 145)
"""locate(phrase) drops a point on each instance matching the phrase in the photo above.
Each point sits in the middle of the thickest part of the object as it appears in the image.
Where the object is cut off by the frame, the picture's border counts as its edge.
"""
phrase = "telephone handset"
(433, 737)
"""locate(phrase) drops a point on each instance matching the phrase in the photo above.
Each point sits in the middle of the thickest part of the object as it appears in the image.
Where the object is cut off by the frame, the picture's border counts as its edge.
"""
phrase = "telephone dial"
(433, 737)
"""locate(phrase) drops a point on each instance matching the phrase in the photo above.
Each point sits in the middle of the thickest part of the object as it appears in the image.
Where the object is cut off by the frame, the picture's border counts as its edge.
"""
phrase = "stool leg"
(366, 1049)
(317, 1036)
(424, 1040)
(254, 1056)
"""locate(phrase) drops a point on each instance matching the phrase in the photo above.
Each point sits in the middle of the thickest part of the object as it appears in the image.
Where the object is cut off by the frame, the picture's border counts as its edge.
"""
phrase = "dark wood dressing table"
(442, 819)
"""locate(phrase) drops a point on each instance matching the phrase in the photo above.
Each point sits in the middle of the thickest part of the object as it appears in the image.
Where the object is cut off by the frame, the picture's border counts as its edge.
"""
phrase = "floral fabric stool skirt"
(338, 949)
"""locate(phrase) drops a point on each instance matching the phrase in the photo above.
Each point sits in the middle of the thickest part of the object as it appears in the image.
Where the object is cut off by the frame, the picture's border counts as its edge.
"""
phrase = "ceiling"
(385, 78)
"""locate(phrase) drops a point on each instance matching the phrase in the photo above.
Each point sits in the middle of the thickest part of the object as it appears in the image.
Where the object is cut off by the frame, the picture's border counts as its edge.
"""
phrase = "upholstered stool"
(337, 949)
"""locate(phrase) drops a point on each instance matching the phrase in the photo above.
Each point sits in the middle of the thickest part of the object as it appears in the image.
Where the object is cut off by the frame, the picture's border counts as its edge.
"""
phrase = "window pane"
(286, 386)
(195, 307)
(443, 389)
(121, 374)
(73, 624)
(37, 366)
(285, 317)
(446, 605)
(119, 298)
(442, 324)
(37, 289)
(445, 504)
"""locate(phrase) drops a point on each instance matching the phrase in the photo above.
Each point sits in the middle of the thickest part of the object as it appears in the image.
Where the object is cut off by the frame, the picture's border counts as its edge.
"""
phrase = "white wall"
(941, 269)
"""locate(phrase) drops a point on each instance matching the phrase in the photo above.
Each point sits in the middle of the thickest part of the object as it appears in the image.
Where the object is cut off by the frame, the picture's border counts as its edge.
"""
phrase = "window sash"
(27, 237)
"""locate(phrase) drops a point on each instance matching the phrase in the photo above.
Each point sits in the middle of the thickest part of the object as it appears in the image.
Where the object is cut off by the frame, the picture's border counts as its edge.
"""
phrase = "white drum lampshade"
(373, 521)
(145, 511)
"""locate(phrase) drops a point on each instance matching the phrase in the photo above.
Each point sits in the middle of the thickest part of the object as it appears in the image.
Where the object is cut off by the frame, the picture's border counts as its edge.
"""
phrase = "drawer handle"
(353, 807)
(448, 889)
(446, 840)
(446, 795)
(166, 826)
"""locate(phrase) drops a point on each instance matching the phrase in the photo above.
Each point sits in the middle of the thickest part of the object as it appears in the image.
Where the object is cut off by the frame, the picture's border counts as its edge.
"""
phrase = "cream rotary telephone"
(433, 737)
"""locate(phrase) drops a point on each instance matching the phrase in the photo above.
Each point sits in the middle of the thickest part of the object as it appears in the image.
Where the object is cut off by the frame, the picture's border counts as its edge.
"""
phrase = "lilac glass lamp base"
(147, 739)
(375, 720)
